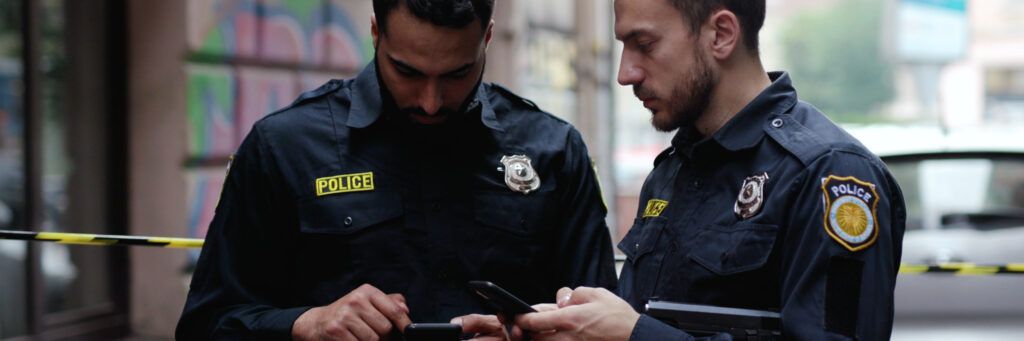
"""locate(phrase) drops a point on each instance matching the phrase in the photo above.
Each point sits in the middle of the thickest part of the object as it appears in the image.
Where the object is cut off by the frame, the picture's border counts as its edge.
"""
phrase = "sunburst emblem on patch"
(850, 211)
(751, 197)
(519, 174)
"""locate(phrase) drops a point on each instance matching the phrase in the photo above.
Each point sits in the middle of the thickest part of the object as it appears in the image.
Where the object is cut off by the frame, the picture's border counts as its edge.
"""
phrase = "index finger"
(560, 319)
(397, 297)
(545, 307)
(583, 295)
(563, 296)
(392, 310)
(476, 323)
(400, 300)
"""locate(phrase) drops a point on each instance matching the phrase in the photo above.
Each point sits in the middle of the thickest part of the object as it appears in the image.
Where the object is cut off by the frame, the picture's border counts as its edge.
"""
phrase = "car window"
(962, 193)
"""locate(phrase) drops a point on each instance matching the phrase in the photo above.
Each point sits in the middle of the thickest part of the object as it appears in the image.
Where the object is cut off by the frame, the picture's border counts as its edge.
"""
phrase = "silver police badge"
(751, 196)
(519, 174)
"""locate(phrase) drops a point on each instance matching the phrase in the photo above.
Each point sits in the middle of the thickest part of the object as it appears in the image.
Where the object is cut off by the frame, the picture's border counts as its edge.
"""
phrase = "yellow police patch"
(655, 207)
(850, 205)
(344, 183)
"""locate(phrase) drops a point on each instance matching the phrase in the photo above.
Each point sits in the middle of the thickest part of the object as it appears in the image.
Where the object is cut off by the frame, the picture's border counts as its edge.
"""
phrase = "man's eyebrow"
(632, 34)
(410, 69)
(461, 69)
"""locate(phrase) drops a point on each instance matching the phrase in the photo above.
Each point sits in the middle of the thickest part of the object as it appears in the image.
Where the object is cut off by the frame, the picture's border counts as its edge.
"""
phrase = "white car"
(964, 191)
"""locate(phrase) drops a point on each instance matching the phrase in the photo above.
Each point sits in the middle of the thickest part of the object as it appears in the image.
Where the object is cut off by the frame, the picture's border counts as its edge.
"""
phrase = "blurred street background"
(119, 116)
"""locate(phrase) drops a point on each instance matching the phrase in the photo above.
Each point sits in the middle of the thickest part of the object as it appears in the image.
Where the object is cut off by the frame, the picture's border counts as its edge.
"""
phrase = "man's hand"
(581, 314)
(484, 327)
(364, 314)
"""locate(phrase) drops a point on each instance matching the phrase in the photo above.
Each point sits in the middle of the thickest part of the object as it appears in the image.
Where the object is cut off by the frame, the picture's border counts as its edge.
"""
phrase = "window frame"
(108, 319)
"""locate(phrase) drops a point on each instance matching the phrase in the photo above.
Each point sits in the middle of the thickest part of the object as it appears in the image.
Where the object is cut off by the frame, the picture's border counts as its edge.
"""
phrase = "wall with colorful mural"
(248, 58)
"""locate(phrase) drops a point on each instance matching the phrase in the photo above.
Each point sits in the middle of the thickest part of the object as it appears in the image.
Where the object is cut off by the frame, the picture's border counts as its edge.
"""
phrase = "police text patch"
(655, 207)
(850, 211)
(344, 183)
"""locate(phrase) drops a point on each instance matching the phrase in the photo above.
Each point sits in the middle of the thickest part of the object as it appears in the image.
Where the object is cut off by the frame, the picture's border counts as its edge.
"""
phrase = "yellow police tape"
(965, 269)
(73, 238)
(183, 243)
(101, 239)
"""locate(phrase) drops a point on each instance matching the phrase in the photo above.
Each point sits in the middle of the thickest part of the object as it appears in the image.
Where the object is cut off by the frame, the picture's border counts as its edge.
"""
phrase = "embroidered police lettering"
(851, 189)
(344, 183)
(654, 208)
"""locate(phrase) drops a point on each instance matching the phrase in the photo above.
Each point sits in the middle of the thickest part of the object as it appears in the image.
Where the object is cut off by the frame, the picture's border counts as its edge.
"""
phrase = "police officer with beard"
(761, 202)
(370, 202)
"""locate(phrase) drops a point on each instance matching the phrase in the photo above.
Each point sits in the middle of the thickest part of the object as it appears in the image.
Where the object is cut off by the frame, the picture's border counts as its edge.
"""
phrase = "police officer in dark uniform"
(369, 203)
(760, 203)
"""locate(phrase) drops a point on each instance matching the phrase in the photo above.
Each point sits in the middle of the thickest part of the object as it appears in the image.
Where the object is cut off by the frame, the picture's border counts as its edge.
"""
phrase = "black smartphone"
(505, 302)
(433, 332)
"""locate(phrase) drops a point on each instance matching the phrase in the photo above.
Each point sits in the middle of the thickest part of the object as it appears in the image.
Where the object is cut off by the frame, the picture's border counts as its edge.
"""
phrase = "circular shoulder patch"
(850, 211)
(851, 219)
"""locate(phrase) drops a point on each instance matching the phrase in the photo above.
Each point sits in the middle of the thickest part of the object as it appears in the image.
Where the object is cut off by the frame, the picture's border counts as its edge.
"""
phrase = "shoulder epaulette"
(325, 89)
(328, 87)
(513, 95)
(800, 141)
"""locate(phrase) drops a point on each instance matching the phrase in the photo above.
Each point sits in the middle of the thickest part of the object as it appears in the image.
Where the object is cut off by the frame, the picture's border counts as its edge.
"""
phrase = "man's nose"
(431, 98)
(629, 73)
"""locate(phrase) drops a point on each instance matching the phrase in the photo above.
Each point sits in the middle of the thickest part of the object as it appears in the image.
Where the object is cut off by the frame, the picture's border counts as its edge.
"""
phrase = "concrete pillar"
(156, 135)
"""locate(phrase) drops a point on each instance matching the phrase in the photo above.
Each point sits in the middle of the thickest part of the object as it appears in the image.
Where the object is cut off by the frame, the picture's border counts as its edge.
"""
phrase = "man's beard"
(689, 98)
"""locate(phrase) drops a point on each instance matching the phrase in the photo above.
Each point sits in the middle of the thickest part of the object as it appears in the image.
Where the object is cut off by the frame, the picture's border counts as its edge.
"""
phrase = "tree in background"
(835, 57)
(10, 29)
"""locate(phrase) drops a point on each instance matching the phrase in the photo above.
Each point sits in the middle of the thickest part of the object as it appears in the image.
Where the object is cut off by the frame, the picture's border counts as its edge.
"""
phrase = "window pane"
(12, 181)
(73, 179)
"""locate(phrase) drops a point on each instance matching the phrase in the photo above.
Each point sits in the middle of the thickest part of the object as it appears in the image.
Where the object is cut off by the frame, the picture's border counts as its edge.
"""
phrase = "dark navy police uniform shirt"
(779, 210)
(331, 193)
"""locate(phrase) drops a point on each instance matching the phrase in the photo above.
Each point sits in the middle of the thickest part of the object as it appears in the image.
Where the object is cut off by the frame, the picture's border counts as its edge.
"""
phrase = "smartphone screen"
(505, 302)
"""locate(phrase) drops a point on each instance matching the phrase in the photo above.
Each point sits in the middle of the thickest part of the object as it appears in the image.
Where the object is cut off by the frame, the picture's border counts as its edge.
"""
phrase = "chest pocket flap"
(726, 250)
(642, 237)
(521, 215)
(348, 213)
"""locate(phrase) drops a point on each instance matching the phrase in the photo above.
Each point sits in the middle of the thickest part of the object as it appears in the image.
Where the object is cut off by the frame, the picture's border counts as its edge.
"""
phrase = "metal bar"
(32, 153)
(117, 164)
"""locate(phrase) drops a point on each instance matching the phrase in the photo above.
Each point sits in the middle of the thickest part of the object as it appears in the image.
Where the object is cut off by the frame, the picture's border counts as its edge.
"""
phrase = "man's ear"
(727, 34)
(488, 34)
(373, 30)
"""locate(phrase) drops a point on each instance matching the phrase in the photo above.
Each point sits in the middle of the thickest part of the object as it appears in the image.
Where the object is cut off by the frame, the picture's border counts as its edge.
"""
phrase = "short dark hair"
(447, 13)
(749, 12)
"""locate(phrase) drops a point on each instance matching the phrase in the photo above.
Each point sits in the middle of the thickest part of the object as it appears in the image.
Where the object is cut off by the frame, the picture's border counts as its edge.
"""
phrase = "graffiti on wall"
(210, 110)
(252, 57)
(204, 186)
(310, 32)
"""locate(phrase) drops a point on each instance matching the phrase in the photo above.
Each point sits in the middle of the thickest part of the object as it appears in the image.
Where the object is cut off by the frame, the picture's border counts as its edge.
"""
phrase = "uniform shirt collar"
(366, 97)
(745, 129)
